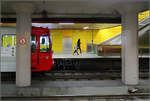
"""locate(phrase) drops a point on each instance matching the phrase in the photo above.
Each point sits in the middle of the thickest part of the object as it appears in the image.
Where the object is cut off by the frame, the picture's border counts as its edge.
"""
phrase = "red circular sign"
(22, 41)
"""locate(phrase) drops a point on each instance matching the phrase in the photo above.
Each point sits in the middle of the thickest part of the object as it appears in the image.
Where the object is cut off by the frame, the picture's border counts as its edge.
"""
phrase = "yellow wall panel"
(57, 40)
(84, 35)
(67, 33)
(105, 34)
(143, 15)
(57, 37)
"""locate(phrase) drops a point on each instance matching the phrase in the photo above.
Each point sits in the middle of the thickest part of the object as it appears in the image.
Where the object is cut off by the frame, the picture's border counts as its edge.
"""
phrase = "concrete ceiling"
(75, 8)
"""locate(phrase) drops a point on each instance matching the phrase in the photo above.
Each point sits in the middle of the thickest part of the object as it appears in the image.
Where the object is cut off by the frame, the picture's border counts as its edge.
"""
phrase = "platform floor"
(83, 55)
(69, 87)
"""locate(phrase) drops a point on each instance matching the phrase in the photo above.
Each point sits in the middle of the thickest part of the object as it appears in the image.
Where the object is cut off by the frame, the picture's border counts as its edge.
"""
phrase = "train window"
(33, 43)
(8, 40)
(44, 43)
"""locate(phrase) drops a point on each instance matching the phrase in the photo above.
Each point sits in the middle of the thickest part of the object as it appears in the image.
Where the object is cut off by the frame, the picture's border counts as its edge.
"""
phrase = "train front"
(41, 52)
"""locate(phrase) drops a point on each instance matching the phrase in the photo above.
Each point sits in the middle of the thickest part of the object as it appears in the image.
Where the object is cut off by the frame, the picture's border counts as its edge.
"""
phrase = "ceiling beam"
(75, 20)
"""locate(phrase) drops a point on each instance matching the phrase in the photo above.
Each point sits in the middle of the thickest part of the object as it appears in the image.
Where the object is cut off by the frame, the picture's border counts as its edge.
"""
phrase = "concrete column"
(130, 61)
(23, 48)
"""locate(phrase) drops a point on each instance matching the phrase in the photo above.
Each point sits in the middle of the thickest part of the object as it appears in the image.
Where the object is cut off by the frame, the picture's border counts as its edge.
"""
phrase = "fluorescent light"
(86, 27)
(66, 23)
(44, 25)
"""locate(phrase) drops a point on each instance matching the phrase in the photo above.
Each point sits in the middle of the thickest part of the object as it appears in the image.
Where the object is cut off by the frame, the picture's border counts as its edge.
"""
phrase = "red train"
(41, 51)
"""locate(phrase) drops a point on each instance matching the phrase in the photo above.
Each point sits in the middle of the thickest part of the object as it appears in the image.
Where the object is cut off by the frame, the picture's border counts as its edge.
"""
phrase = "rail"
(71, 97)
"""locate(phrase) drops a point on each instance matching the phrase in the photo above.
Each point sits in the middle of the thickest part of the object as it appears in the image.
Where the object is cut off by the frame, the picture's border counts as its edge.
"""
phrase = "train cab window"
(44, 43)
(33, 43)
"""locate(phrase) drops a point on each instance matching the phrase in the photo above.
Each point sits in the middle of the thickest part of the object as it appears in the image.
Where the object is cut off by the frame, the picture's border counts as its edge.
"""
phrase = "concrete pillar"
(23, 48)
(130, 61)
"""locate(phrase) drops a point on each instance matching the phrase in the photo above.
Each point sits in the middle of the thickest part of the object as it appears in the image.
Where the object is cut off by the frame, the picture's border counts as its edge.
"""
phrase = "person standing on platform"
(75, 50)
(78, 45)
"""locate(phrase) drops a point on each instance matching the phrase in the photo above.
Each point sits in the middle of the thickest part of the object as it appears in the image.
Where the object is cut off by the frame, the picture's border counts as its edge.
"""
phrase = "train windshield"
(44, 43)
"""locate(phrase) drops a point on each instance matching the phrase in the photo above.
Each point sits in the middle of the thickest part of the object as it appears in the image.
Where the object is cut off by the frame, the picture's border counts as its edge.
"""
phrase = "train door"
(45, 53)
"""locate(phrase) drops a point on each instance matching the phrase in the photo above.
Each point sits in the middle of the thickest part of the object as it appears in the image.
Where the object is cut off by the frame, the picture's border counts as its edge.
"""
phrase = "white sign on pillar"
(22, 41)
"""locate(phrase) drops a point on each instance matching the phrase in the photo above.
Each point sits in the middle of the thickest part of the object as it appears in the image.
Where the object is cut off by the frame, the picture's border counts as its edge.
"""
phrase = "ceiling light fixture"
(66, 23)
(86, 27)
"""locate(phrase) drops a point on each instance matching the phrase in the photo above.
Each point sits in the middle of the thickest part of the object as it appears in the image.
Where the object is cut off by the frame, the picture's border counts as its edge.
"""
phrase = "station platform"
(71, 88)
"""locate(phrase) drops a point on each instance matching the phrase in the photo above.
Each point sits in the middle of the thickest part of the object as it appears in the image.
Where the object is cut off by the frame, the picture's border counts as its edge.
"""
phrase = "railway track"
(75, 75)
(125, 97)
(67, 75)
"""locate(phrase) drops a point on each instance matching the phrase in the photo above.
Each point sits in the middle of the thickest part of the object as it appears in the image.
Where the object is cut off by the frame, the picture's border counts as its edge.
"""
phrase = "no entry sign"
(22, 41)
